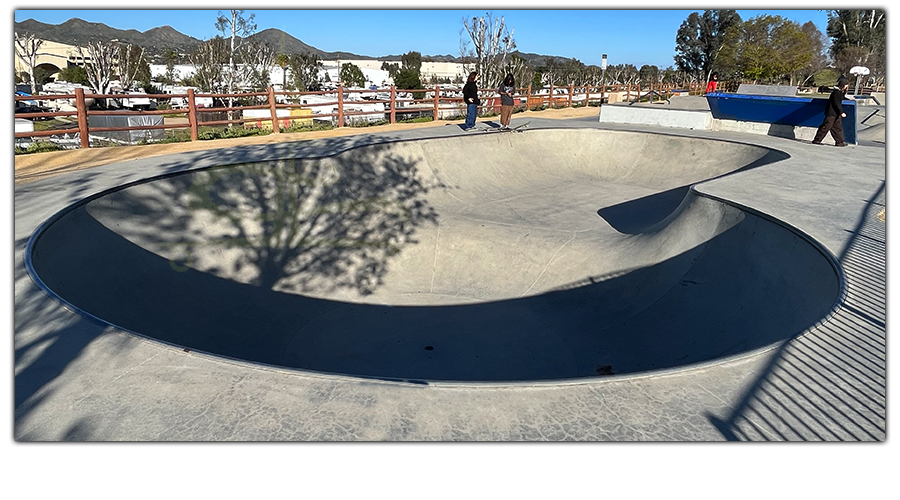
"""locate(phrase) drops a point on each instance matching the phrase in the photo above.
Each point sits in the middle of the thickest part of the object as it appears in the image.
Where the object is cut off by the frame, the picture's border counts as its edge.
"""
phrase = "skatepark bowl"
(550, 255)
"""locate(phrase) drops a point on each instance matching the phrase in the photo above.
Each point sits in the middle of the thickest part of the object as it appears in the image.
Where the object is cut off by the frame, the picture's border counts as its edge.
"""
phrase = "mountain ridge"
(155, 41)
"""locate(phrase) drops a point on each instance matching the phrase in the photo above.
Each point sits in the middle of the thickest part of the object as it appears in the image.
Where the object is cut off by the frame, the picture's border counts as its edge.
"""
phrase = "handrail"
(651, 93)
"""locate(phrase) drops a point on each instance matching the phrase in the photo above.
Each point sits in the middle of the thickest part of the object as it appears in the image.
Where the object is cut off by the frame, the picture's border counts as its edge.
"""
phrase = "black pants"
(831, 124)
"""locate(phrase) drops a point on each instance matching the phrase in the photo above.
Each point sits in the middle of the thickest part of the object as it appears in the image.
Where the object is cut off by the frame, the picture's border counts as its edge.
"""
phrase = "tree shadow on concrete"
(289, 225)
(830, 384)
(373, 206)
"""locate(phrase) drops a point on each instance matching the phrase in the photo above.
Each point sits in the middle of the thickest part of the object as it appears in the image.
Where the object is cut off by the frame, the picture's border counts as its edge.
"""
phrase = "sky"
(645, 35)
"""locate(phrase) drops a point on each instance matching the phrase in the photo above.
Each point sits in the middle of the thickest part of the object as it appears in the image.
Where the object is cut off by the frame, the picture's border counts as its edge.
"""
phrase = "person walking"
(470, 97)
(713, 83)
(834, 111)
(507, 90)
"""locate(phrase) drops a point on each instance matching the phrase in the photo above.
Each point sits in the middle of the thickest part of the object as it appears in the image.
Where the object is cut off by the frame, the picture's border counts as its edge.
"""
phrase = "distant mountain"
(155, 41)
(77, 32)
(538, 59)
(286, 44)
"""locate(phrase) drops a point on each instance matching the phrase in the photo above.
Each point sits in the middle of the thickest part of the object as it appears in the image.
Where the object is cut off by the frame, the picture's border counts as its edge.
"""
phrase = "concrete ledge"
(663, 117)
(772, 129)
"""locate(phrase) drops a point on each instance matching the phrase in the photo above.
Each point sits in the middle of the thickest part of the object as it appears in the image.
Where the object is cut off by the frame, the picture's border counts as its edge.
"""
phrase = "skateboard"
(517, 128)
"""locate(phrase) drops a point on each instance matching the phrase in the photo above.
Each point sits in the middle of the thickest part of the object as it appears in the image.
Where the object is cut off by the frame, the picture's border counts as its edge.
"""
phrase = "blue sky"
(642, 36)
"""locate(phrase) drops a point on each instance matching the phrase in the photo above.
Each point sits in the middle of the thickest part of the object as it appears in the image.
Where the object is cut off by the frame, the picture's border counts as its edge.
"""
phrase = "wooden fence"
(434, 101)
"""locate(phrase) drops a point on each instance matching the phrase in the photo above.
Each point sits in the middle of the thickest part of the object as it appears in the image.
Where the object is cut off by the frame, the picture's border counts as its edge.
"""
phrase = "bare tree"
(257, 58)
(100, 64)
(520, 69)
(492, 43)
(233, 26)
(109, 61)
(208, 60)
(128, 64)
(27, 48)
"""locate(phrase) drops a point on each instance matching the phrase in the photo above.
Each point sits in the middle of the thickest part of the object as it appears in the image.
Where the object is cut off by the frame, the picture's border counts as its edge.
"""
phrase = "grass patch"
(53, 124)
(308, 127)
(38, 147)
(213, 133)
(420, 119)
(364, 123)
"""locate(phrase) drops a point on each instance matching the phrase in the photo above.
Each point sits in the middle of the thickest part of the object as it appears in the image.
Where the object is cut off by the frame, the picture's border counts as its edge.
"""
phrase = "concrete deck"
(77, 378)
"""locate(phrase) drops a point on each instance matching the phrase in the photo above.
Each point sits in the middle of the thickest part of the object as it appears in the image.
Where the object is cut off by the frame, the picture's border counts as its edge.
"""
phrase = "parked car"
(30, 106)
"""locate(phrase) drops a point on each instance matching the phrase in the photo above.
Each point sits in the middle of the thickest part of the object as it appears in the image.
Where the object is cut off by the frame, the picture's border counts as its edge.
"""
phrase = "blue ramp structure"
(779, 110)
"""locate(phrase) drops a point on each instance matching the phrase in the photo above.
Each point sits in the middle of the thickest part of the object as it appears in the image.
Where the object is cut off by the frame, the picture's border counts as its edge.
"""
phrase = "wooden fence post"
(528, 98)
(82, 118)
(587, 96)
(551, 96)
(276, 128)
(437, 101)
(192, 115)
(571, 90)
(340, 91)
(393, 104)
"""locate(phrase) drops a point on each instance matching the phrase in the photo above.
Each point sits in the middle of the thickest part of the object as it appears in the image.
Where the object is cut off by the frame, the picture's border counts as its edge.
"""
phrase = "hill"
(155, 41)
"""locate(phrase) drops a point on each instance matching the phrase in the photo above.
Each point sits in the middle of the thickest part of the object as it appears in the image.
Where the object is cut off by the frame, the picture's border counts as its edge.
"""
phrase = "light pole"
(602, 78)
(859, 71)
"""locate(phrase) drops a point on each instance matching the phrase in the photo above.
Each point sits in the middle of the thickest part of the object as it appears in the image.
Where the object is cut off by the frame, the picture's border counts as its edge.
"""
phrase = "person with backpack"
(834, 111)
(470, 97)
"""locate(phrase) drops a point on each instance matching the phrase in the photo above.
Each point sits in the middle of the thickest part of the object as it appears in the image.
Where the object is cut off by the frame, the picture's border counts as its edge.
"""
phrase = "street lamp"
(858, 71)
(602, 77)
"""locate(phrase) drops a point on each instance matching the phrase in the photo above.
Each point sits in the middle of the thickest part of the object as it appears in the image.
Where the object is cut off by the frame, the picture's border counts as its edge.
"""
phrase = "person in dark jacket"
(506, 90)
(470, 97)
(834, 111)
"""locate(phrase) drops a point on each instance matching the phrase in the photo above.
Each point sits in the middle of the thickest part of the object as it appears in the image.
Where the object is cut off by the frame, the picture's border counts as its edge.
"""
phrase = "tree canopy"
(351, 75)
(304, 70)
(858, 39)
(700, 38)
(765, 49)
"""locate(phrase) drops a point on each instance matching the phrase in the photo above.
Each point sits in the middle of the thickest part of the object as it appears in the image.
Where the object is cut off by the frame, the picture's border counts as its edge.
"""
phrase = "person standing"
(470, 97)
(507, 90)
(834, 111)
(713, 83)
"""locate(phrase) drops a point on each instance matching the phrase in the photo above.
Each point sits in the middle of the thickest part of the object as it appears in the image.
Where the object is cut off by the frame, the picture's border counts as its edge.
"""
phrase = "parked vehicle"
(30, 106)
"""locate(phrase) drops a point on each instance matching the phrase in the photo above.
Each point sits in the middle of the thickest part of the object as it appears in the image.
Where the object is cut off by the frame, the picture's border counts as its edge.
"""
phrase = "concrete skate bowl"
(551, 255)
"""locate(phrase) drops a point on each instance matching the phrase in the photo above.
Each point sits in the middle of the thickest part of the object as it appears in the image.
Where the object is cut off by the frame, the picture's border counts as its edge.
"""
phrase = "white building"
(371, 69)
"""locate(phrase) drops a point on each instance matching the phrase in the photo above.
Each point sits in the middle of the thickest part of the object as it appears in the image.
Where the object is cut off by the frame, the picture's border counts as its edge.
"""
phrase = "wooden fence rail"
(436, 101)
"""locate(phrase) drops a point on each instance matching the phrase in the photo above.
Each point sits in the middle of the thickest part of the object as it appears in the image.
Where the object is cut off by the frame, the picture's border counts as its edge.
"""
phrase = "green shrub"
(418, 119)
(210, 134)
(300, 127)
(38, 147)
(363, 123)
